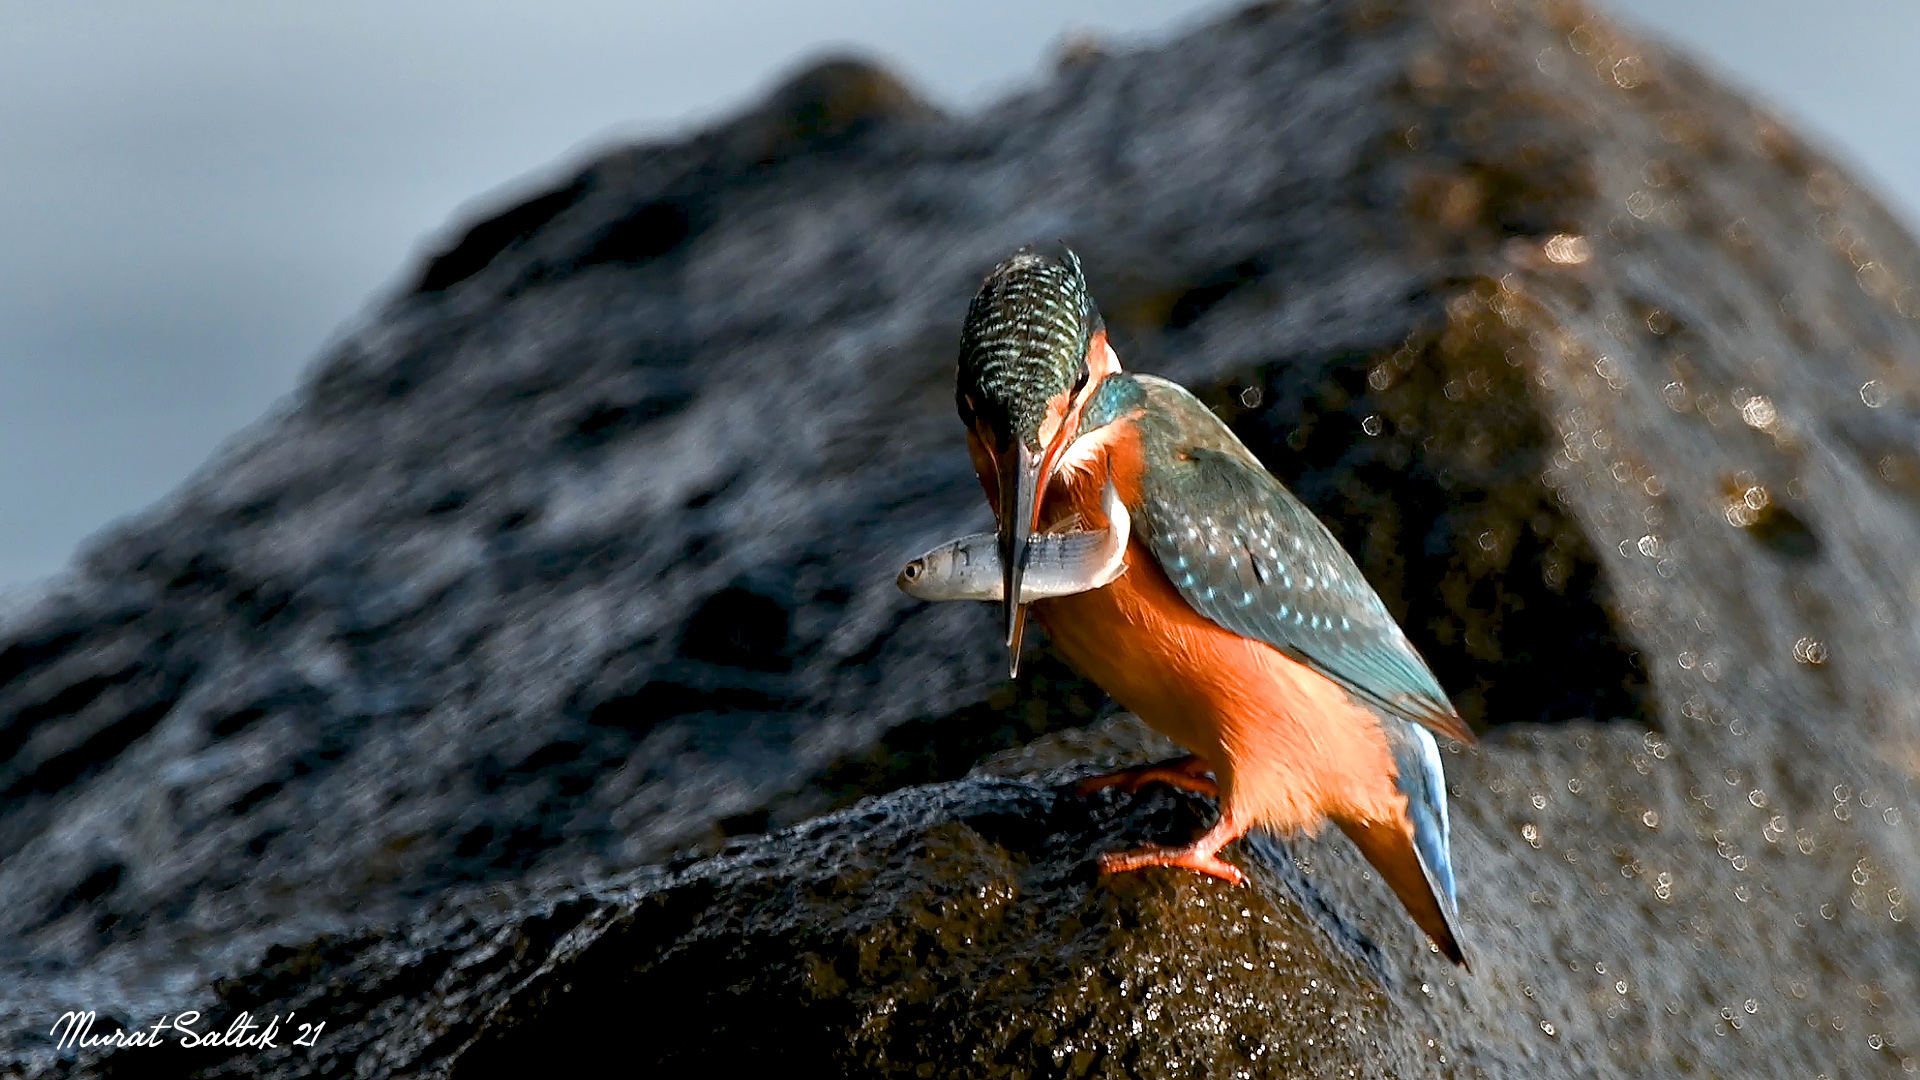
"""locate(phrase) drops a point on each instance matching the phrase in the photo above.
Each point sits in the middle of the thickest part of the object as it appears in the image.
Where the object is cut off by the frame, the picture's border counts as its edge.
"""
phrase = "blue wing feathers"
(1253, 559)
(1249, 556)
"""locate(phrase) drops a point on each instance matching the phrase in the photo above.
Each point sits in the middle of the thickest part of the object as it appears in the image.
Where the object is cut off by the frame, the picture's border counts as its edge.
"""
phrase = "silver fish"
(1058, 564)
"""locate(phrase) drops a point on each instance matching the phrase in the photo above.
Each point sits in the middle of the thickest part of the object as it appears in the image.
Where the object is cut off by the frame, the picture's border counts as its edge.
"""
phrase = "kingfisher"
(1239, 628)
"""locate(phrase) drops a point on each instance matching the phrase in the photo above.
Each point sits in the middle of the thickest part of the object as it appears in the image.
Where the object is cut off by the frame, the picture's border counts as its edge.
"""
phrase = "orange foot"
(1117, 862)
(1202, 855)
(1186, 773)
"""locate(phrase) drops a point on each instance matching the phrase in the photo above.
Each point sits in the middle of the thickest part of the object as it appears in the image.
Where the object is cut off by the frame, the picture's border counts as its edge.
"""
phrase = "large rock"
(579, 555)
(948, 930)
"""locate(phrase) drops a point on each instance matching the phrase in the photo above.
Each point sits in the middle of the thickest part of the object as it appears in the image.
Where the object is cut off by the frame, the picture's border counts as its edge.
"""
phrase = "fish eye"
(912, 571)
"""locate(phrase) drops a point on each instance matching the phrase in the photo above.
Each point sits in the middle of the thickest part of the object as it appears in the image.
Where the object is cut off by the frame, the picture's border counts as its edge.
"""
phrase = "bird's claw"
(1118, 862)
(1186, 774)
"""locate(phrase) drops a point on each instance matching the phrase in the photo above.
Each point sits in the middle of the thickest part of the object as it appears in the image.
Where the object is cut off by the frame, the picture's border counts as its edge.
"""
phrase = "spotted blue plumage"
(1209, 508)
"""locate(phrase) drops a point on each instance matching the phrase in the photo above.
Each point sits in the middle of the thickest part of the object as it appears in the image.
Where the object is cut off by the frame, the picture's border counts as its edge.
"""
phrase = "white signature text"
(74, 1030)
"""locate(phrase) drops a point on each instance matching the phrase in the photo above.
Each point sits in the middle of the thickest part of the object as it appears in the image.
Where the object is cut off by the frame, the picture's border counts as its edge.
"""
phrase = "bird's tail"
(1416, 862)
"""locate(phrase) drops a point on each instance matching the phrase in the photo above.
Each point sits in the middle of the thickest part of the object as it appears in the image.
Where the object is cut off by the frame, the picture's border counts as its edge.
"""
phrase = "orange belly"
(1287, 745)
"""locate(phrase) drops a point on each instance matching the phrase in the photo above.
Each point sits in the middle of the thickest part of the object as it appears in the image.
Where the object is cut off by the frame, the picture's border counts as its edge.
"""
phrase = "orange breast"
(1287, 745)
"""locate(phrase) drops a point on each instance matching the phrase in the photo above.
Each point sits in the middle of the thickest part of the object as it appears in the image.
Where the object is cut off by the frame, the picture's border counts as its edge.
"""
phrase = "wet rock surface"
(960, 928)
(579, 557)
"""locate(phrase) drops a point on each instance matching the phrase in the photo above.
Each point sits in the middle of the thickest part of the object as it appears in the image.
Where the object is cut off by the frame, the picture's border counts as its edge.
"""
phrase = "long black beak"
(1020, 482)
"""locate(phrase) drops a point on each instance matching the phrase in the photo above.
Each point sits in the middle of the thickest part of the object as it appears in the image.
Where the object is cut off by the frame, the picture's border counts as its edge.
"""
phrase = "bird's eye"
(1086, 372)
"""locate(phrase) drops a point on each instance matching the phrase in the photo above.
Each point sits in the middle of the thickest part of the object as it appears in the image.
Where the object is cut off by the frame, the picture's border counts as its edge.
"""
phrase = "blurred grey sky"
(195, 195)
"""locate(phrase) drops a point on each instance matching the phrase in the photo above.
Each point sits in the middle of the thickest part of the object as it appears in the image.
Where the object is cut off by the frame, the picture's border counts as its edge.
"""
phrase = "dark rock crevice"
(485, 240)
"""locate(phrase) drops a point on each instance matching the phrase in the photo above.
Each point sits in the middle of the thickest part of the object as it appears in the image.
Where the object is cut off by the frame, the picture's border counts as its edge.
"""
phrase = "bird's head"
(1031, 352)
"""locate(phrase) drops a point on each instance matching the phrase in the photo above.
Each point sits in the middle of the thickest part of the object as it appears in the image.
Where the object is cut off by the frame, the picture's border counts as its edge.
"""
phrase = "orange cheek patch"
(983, 467)
(1057, 408)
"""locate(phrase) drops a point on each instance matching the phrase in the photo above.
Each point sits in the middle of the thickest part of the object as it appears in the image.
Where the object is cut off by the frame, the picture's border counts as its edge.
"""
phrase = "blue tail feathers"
(1425, 786)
